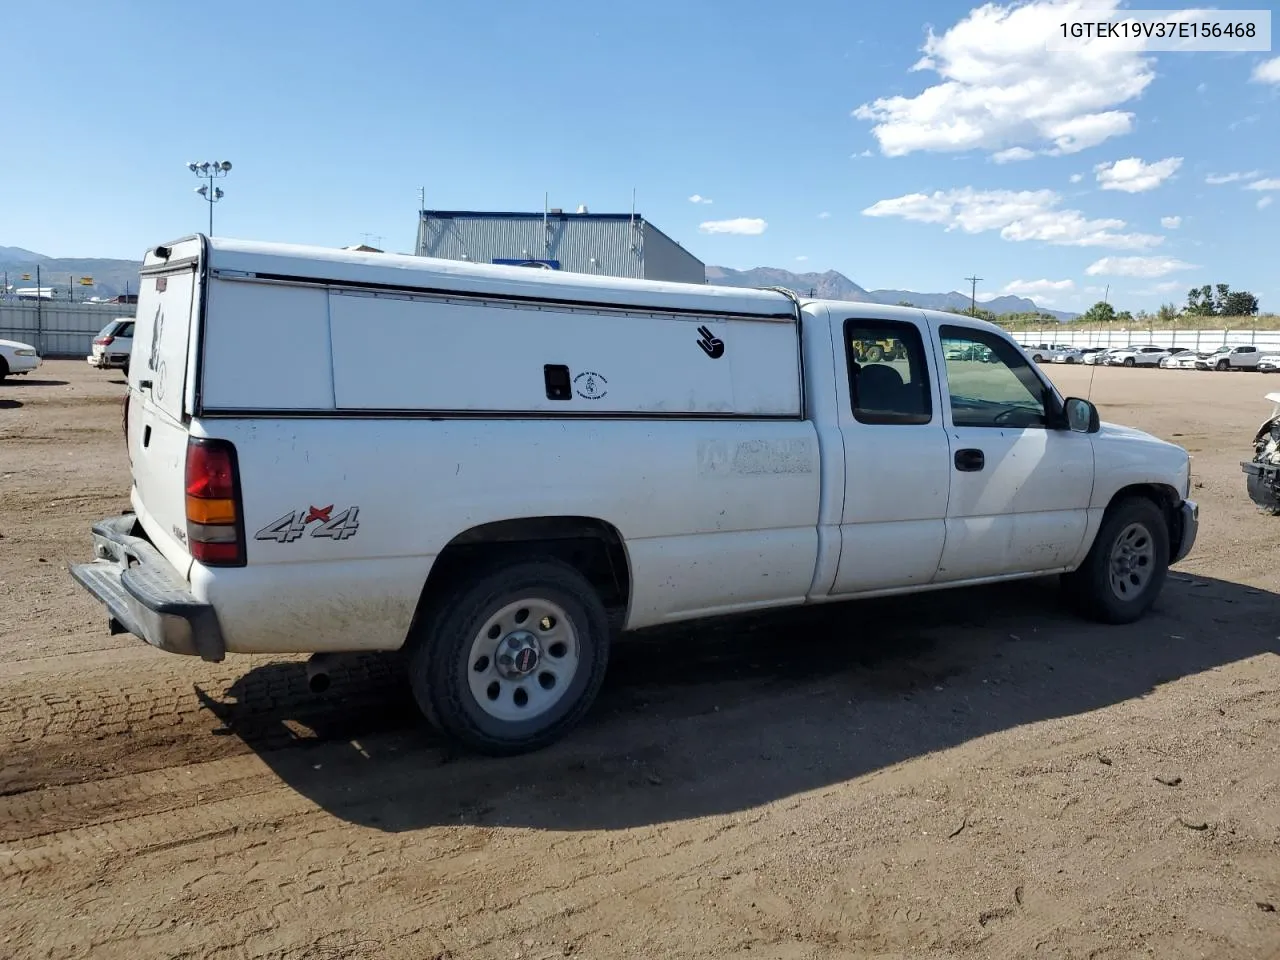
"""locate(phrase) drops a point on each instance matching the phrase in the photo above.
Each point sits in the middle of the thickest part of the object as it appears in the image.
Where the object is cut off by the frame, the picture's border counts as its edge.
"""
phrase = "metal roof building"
(609, 244)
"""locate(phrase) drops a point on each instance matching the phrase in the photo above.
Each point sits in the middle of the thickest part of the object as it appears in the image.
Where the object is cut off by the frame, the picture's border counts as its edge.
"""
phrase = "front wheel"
(1130, 362)
(515, 659)
(1223, 365)
(1127, 565)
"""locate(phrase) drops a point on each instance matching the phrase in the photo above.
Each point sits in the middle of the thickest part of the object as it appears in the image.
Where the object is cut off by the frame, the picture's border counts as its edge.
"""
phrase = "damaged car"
(1263, 471)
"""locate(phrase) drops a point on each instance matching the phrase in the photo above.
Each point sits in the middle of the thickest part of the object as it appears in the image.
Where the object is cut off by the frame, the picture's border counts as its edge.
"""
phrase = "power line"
(973, 295)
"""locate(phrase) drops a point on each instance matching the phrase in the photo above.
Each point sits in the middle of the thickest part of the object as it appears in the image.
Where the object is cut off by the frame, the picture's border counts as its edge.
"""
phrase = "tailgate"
(160, 385)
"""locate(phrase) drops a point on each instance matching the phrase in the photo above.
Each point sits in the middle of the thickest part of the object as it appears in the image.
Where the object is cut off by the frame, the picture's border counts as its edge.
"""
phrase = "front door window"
(990, 383)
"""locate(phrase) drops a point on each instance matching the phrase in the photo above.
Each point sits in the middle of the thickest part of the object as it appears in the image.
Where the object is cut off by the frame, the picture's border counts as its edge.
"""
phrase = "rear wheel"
(1126, 568)
(512, 660)
(1038, 358)
(1071, 359)
(4, 368)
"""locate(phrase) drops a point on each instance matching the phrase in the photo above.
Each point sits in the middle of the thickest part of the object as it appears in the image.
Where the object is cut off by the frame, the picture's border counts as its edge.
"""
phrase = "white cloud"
(1265, 202)
(1216, 179)
(741, 226)
(1268, 71)
(1077, 177)
(699, 199)
(1201, 87)
(1171, 223)
(1001, 88)
(1136, 267)
(1270, 184)
(802, 258)
(864, 153)
(824, 215)
(1132, 175)
(1012, 155)
(1036, 288)
(1020, 215)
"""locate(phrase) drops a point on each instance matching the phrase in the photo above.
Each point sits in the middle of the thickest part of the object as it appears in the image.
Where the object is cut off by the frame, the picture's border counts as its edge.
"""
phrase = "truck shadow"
(716, 718)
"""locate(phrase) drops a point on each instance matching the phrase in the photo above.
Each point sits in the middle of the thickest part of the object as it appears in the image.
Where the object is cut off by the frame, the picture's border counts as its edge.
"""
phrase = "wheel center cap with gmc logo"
(518, 655)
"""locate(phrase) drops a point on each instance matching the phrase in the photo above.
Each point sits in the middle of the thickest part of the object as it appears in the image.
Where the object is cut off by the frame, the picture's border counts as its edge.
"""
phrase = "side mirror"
(1081, 415)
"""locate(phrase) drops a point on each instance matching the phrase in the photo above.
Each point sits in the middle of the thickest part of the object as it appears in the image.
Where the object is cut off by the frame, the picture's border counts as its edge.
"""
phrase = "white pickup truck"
(336, 451)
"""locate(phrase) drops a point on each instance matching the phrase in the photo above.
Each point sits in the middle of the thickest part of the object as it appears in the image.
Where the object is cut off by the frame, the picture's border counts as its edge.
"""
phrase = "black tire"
(124, 368)
(875, 353)
(1223, 365)
(440, 654)
(1037, 358)
(4, 368)
(1071, 359)
(1130, 362)
(1090, 587)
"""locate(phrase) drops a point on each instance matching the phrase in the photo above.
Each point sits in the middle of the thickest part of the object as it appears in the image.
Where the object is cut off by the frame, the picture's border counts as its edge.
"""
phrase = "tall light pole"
(208, 171)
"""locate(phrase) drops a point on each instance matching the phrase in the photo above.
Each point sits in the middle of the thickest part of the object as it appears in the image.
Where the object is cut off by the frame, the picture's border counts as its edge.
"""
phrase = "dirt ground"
(976, 774)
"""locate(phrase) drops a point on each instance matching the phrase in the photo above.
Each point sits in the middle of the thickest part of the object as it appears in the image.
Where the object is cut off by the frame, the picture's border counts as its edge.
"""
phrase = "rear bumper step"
(145, 595)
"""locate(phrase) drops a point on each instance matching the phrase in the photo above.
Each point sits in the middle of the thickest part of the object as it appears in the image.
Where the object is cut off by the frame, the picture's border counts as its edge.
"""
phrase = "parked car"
(1263, 471)
(1228, 357)
(1098, 356)
(1070, 354)
(1269, 362)
(362, 495)
(17, 357)
(113, 345)
(973, 351)
(1142, 356)
(1043, 352)
(1175, 358)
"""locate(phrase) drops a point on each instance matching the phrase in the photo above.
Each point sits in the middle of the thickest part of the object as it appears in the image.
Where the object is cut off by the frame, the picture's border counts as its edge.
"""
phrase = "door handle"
(970, 461)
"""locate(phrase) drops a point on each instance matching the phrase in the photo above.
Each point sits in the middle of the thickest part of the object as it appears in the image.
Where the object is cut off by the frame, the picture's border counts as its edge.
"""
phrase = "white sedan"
(17, 357)
(1180, 359)
(1143, 356)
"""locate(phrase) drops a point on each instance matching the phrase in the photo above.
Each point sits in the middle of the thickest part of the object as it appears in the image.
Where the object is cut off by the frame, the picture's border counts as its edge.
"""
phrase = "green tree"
(1239, 303)
(1167, 313)
(1200, 301)
(1124, 316)
(1100, 312)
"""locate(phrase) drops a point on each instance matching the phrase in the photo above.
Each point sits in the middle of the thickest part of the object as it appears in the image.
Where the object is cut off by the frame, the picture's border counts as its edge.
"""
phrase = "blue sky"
(804, 125)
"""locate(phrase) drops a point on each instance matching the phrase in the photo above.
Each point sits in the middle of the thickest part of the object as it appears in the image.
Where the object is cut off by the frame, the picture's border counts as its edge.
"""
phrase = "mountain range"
(833, 285)
(110, 277)
(113, 277)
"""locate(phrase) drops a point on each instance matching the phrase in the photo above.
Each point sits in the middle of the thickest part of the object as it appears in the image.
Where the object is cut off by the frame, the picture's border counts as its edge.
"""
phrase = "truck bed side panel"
(716, 515)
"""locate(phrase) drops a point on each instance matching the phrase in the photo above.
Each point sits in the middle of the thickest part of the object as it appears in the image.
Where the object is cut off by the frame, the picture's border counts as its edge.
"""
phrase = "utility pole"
(973, 295)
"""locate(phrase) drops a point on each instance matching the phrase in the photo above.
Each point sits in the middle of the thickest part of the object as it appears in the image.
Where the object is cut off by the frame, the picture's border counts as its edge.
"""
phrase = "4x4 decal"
(294, 524)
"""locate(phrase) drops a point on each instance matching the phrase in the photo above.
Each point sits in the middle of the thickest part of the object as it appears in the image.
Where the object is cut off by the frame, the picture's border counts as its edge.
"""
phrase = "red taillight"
(214, 531)
(103, 341)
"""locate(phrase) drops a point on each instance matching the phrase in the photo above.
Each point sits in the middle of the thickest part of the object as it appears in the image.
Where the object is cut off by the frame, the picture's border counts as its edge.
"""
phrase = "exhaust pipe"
(318, 668)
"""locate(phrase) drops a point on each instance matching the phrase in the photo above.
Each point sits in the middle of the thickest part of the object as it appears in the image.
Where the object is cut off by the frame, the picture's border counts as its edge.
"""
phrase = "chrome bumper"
(1188, 528)
(145, 595)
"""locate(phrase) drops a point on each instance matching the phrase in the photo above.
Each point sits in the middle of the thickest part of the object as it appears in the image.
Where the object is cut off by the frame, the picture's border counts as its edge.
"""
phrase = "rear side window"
(888, 376)
(125, 330)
